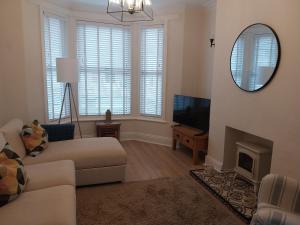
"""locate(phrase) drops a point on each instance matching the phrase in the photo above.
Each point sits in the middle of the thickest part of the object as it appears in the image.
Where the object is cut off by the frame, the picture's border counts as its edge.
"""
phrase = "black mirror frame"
(277, 64)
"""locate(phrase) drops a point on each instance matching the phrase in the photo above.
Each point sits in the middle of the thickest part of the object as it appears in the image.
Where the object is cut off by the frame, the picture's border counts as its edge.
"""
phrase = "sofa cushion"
(59, 132)
(11, 132)
(35, 138)
(50, 174)
(86, 153)
(50, 206)
(12, 176)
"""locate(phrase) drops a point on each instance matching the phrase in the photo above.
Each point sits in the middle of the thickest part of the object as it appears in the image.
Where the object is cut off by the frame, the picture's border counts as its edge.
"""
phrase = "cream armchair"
(278, 201)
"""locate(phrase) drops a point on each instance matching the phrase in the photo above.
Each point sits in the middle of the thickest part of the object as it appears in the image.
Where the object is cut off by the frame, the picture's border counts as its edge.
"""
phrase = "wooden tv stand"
(192, 138)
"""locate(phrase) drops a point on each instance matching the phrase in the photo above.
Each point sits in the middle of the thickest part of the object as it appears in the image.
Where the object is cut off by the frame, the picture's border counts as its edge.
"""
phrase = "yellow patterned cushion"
(34, 138)
(12, 175)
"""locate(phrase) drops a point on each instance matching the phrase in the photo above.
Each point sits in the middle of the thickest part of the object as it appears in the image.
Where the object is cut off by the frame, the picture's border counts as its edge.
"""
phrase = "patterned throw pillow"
(35, 138)
(12, 175)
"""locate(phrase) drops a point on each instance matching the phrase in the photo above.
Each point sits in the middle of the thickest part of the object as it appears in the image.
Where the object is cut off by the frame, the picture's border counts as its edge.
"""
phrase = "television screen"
(193, 112)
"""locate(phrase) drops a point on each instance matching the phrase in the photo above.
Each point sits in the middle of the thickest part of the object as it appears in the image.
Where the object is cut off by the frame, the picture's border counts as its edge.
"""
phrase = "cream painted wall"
(34, 81)
(12, 79)
(272, 113)
(198, 56)
(204, 89)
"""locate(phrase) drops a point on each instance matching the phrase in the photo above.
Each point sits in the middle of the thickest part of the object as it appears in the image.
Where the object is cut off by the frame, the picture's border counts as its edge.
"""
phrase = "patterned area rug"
(237, 194)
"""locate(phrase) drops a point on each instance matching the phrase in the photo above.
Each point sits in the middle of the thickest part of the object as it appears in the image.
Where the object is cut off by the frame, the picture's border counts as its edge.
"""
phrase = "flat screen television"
(192, 112)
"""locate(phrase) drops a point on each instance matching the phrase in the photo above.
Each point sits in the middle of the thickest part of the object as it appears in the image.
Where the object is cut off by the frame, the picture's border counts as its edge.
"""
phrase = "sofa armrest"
(280, 191)
(271, 216)
(59, 132)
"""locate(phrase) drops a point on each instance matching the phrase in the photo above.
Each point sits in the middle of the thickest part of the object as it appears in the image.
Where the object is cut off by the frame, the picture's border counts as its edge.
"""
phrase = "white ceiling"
(159, 5)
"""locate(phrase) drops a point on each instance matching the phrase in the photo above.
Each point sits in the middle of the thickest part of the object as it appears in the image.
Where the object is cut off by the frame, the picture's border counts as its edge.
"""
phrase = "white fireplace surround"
(232, 136)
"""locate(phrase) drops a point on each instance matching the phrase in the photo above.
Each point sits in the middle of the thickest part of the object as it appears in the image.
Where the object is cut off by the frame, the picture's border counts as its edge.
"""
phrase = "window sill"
(150, 119)
(115, 118)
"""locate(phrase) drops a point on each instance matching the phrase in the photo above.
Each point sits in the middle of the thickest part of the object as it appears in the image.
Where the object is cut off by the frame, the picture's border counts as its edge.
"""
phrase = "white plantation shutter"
(266, 53)
(54, 45)
(237, 61)
(266, 50)
(151, 71)
(104, 52)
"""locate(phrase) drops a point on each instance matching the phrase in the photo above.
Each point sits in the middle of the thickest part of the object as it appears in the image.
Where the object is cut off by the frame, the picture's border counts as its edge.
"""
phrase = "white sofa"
(50, 197)
(97, 160)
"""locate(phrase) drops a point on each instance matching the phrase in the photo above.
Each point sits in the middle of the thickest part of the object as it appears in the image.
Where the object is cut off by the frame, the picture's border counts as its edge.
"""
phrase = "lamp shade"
(67, 70)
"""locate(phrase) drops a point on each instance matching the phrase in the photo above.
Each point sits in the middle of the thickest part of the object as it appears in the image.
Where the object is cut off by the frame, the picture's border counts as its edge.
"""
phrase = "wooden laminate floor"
(149, 161)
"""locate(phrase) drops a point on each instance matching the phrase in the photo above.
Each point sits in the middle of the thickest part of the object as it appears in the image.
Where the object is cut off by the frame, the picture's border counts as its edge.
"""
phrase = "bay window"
(151, 71)
(104, 53)
(54, 47)
(107, 77)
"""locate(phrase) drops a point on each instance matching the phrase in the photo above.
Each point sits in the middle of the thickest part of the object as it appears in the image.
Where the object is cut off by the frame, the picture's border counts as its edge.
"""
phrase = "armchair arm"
(280, 191)
(271, 216)
(59, 132)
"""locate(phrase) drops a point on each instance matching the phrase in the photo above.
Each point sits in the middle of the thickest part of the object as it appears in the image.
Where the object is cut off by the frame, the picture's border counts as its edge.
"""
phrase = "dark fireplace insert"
(245, 162)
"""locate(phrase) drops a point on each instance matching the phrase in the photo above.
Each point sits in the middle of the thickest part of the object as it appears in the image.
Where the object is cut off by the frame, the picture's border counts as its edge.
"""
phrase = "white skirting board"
(149, 138)
(214, 163)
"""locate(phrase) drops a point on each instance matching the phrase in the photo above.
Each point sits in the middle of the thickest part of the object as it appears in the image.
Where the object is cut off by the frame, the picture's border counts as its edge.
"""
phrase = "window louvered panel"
(54, 45)
(151, 71)
(265, 56)
(266, 51)
(104, 52)
(237, 61)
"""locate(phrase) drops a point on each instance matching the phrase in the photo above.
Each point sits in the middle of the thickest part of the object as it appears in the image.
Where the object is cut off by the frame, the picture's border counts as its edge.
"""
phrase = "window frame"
(107, 24)
(164, 73)
(60, 15)
(238, 79)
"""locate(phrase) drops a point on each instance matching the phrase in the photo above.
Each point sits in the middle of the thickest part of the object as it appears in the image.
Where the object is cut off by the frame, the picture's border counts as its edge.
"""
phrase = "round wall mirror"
(255, 57)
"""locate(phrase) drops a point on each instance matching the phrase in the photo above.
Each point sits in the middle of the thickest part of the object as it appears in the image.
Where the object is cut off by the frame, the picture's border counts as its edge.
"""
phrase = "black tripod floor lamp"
(67, 73)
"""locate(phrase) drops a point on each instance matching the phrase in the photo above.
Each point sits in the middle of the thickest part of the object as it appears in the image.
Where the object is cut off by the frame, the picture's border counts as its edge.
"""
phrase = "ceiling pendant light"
(130, 10)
